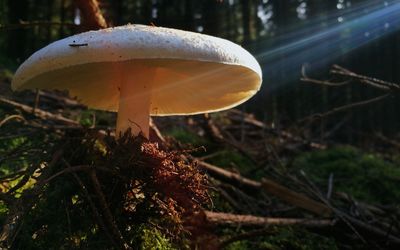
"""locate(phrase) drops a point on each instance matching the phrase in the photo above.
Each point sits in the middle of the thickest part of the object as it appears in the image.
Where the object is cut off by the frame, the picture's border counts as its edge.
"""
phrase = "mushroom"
(139, 70)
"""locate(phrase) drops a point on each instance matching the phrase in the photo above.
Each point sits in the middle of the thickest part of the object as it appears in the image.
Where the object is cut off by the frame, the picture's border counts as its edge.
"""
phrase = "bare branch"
(374, 82)
(250, 220)
(346, 107)
(72, 169)
(8, 118)
(38, 112)
(305, 78)
(338, 70)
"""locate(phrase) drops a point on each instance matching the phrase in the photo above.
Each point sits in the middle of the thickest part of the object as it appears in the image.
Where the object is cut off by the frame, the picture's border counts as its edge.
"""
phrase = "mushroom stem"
(135, 99)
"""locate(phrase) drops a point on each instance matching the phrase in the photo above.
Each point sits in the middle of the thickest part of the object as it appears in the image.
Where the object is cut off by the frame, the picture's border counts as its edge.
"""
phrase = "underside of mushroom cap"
(195, 73)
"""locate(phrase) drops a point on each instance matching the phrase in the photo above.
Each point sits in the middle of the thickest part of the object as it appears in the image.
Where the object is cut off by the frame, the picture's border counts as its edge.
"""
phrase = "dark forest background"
(284, 35)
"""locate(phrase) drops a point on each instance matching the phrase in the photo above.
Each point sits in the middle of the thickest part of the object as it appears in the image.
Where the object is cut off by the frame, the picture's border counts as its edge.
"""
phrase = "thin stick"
(295, 198)
(330, 186)
(107, 213)
(72, 169)
(10, 117)
(269, 186)
(37, 99)
(340, 214)
(96, 213)
(346, 107)
(305, 78)
(250, 220)
(38, 112)
(366, 79)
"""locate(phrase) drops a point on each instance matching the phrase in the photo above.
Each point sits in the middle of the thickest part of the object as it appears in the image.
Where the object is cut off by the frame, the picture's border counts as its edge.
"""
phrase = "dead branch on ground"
(250, 220)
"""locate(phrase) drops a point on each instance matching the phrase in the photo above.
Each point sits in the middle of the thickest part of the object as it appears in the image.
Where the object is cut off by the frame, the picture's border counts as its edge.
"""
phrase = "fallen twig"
(339, 213)
(38, 112)
(219, 135)
(107, 213)
(61, 99)
(295, 198)
(268, 186)
(10, 117)
(374, 230)
(250, 220)
(351, 221)
(72, 169)
(96, 213)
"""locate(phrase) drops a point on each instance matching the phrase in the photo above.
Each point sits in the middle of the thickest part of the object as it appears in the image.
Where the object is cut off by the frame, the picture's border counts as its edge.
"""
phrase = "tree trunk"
(92, 19)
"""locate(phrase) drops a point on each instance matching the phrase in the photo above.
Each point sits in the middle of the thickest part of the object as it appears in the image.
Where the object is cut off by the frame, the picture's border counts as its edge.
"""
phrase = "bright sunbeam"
(326, 39)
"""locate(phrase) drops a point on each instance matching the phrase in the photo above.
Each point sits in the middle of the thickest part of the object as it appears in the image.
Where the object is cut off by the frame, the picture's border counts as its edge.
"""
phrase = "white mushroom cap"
(195, 73)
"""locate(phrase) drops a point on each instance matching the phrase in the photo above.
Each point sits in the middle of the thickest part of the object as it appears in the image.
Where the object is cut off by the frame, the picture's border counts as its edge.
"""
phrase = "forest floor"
(270, 188)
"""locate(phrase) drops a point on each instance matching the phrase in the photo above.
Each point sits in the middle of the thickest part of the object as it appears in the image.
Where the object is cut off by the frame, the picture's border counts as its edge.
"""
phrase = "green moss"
(12, 143)
(86, 118)
(7, 148)
(365, 176)
(99, 118)
(18, 152)
(152, 239)
(186, 137)
(281, 238)
(232, 159)
(3, 212)
(55, 222)
(297, 238)
(238, 245)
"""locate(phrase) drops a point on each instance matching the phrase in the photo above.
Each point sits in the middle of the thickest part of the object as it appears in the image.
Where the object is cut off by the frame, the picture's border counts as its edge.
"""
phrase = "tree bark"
(92, 18)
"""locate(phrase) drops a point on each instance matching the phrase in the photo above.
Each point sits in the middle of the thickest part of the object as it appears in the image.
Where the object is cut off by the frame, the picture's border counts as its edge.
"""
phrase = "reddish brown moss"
(157, 186)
